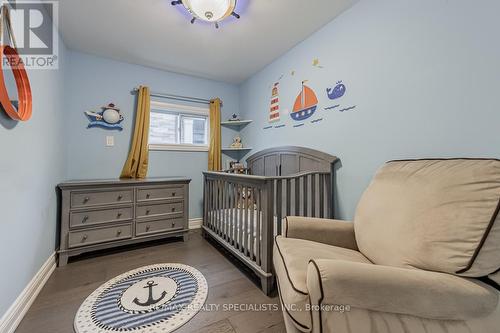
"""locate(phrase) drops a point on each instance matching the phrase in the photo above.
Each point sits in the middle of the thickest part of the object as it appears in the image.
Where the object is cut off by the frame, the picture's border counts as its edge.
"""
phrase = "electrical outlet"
(110, 141)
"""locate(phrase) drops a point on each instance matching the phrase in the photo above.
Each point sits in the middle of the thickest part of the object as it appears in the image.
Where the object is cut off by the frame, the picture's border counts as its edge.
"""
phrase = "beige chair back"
(439, 215)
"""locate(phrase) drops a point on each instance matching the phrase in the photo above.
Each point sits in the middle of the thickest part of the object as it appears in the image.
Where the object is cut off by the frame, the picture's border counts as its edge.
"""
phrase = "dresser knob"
(119, 232)
(173, 209)
(148, 227)
(173, 194)
(173, 224)
(119, 215)
(147, 196)
(147, 212)
(84, 238)
(86, 199)
(85, 219)
(120, 197)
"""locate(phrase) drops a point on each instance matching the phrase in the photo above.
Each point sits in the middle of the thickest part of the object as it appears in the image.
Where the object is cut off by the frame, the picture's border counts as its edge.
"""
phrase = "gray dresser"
(100, 214)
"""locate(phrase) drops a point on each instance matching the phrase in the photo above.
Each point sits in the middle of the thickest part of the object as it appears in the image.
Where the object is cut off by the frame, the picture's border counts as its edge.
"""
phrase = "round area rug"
(158, 298)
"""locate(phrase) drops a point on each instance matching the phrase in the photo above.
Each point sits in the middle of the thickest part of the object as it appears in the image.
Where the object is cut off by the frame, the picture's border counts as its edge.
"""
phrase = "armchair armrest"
(326, 231)
(398, 290)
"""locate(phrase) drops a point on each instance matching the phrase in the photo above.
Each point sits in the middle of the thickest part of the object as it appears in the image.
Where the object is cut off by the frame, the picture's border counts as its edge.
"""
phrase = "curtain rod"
(176, 97)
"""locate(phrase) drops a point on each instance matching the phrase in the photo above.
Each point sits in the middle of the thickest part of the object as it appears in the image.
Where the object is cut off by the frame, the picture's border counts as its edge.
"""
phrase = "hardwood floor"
(55, 308)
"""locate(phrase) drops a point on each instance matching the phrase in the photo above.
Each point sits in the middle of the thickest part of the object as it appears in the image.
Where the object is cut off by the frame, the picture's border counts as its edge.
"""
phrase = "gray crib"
(243, 213)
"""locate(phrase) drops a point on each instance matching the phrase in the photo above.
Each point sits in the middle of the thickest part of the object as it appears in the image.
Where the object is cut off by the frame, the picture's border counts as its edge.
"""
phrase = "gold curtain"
(137, 161)
(214, 149)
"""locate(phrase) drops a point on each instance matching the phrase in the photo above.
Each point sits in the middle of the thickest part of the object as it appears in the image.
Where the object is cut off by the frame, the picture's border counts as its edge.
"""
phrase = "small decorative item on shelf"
(237, 143)
(108, 118)
(234, 117)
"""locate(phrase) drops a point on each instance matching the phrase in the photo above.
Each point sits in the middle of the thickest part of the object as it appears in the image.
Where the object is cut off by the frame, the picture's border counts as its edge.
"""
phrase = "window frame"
(181, 109)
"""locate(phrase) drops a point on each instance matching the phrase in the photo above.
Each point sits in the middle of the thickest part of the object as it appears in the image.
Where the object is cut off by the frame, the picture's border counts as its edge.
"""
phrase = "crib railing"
(238, 212)
(244, 212)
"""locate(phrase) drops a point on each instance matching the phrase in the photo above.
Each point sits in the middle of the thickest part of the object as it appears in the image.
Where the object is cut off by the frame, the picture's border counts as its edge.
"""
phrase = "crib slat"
(288, 197)
(214, 188)
(252, 224)
(297, 196)
(216, 206)
(313, 195)
(235, 214)
(321, 196)
(231, 212)
(329, 203)
(219, 208)
(222, 197)
(305, 195)
(279, 205)
(221, 211)
(214, 209)
(240, 218)
(215, 194)
(245, 220)
(258, 227)
(226, 210)
(226, 217)
(228, 214)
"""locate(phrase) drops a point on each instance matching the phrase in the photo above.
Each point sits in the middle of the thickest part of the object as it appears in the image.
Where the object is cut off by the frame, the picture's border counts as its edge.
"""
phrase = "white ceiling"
(154, 33)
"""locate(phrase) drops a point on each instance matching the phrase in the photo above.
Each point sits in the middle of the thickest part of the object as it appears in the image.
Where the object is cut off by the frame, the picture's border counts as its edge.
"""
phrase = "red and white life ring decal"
(24, 109)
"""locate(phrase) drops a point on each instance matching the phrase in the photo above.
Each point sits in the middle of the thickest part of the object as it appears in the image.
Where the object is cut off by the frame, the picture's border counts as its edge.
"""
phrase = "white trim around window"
(178, 147)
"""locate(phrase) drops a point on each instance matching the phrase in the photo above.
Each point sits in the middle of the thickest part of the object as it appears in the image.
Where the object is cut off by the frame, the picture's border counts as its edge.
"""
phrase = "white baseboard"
(11, 319)
(194, 224)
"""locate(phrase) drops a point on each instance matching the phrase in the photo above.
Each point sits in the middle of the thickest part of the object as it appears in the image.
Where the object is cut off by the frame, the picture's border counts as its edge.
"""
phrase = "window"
(178, 127)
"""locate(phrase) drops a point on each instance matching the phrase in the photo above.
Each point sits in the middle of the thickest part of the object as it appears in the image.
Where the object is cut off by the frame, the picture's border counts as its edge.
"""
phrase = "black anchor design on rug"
(150, 300)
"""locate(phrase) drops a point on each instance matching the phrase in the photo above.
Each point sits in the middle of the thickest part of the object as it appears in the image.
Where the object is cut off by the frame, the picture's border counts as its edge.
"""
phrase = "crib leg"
(267, 284)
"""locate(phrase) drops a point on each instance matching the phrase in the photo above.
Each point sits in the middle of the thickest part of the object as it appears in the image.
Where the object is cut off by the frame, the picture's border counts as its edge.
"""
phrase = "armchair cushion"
(399, 290)
(291, 257)
(326, 231)
(439, 215)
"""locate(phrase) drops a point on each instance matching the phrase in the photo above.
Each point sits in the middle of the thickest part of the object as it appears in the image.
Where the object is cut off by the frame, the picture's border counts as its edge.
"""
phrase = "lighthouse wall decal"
(274, 110)
(305, 104)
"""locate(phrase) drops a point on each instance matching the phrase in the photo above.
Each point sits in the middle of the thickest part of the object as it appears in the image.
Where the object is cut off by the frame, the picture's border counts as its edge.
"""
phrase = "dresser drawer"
(153, 227)
(93, 217)
(100, 235)
(158, 210)
(97, 198)
(160, 193)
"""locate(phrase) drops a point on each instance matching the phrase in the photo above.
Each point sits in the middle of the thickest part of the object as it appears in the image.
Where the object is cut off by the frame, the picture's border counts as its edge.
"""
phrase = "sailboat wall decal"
(305, 104)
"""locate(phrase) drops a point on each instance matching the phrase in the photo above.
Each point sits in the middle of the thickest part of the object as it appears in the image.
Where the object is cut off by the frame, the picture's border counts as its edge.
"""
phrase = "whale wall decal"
(336, 92)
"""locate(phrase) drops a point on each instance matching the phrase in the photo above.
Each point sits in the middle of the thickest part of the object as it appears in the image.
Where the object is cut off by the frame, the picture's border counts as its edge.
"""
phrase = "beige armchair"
(422, 255)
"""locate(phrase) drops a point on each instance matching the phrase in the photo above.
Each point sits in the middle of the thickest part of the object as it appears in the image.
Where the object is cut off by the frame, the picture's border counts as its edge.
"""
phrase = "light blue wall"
(31, 164)
(95, 81)
(424, 76)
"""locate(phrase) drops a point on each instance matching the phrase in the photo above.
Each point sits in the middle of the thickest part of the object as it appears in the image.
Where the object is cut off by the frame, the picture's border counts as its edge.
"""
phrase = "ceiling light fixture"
(212, 11)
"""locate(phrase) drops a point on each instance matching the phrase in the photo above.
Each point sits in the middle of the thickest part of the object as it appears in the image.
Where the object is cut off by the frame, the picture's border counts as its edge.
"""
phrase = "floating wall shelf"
(238, 123)
(236, 149)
